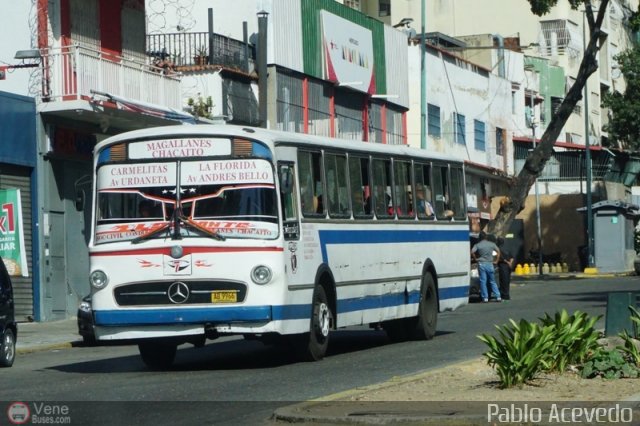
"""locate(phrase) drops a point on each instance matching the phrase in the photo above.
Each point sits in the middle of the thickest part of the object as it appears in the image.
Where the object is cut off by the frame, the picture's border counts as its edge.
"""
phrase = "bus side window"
(442, 198)
(311, 188)
(423, 196)
(382, 189)
(288, 195)
(457, 193)
(336, 174)
(402, 186)
(359, 184)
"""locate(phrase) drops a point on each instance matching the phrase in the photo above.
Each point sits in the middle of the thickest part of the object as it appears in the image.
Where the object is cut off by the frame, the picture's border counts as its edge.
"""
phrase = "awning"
(147, 108)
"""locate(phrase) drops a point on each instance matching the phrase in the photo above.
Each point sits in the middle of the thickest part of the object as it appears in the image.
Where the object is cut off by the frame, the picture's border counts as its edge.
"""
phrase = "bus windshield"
(230, 198)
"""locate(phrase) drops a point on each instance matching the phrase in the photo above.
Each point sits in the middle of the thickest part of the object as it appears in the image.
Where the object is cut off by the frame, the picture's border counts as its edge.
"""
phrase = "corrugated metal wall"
(287, 34)
(397, 60)
(20, 178)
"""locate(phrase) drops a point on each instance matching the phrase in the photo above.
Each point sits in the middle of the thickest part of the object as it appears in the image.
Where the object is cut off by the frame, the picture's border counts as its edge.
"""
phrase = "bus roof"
(272, 138)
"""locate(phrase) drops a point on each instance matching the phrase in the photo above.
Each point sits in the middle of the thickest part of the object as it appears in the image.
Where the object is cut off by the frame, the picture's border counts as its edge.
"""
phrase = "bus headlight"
(261, 274)
(98, 279)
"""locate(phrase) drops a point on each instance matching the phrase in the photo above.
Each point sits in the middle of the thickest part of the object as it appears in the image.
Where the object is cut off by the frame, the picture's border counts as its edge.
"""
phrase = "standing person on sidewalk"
(483, 252)
(505, 266)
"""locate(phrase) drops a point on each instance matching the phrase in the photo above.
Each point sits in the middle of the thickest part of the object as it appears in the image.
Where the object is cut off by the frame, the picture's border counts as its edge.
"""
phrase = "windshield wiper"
(188, 222)
(150, 234)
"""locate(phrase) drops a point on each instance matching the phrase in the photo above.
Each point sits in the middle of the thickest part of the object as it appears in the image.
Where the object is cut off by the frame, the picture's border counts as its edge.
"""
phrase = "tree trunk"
(537, 159)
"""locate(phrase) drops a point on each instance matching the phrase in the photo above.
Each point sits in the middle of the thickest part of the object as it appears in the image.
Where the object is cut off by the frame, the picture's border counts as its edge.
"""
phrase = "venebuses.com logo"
(19, 413)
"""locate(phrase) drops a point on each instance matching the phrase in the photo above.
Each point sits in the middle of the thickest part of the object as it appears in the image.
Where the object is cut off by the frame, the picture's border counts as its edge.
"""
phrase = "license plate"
(224, 297)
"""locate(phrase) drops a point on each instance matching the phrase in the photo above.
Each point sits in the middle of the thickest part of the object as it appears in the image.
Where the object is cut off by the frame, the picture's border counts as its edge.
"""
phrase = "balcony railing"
(72, 72)
(187, 49)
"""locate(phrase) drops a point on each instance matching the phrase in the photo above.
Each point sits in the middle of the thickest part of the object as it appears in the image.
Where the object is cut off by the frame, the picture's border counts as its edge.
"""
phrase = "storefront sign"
(12, 233)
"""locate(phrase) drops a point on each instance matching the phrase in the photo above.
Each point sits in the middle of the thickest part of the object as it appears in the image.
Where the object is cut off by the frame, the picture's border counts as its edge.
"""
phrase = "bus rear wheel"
(158, 355)
(424, 326)
(312, 346)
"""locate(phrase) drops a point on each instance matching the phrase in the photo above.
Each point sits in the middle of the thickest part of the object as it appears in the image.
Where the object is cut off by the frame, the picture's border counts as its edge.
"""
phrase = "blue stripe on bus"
(260, 313)
(183, 316)
(388, 236)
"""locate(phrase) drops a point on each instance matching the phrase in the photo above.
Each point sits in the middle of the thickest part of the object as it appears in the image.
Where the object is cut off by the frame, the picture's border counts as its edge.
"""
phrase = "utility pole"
(587, 158)
(423, 81)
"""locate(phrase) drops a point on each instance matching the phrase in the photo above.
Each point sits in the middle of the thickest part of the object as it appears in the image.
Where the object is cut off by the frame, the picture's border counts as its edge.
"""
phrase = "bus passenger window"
(310, 173)
(382, 189)
(359, 184)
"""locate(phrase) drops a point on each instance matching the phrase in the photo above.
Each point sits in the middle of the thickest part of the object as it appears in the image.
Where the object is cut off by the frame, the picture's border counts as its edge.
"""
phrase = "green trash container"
(618, 315)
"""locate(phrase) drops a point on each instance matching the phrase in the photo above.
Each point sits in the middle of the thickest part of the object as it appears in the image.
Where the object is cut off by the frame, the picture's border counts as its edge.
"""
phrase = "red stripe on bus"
(186, 250)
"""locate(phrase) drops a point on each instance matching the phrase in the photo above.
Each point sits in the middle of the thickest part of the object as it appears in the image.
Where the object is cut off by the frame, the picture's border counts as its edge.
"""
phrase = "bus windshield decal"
(226, 229)
(224, 172)
(180, 148)
(136, 175)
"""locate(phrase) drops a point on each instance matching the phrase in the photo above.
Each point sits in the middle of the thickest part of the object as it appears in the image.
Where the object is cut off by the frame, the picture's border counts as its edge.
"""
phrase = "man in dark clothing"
(483, 252)
(505, 266)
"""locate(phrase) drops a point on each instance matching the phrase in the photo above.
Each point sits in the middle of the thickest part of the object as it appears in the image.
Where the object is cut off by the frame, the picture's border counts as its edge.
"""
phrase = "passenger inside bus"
(424, 206)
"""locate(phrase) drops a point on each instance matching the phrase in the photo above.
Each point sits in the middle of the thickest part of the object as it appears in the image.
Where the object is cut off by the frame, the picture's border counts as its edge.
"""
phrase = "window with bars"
(459, 128)
(479, 135)
(384, 7)
(353, 4)
(433, 121)
(499, 141)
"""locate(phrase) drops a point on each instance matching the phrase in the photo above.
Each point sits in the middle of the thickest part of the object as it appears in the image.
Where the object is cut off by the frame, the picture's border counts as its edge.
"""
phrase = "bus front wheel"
(157, 355)
(312, 346)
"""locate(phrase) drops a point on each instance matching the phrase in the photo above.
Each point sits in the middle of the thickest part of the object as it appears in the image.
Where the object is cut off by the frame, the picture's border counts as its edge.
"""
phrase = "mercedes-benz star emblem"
(178, 292)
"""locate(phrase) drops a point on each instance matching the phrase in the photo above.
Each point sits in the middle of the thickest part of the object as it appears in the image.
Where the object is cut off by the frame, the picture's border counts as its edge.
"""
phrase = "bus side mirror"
(79, 200)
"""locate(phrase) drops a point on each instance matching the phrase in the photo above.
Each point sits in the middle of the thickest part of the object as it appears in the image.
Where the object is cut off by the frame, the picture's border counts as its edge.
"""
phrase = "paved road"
(233, 381)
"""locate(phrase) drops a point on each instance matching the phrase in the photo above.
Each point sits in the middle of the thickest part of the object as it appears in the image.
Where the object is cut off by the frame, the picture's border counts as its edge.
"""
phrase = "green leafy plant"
(609, 365)
(635, 318)
(574, 338)
(630, 348)
(521, 351)
(200, 107)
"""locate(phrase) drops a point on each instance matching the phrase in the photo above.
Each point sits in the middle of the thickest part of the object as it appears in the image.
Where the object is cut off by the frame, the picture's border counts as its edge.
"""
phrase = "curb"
(568, 276)
(303, 412)
(43, 347)
(340, 408)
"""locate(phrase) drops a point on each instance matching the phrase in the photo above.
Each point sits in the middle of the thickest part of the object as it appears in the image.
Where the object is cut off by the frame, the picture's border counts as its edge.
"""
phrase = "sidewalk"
(40, 336)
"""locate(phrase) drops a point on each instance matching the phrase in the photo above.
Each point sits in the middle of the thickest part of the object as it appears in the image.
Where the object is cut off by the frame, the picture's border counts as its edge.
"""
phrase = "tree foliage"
(537, 159)
(625, 107)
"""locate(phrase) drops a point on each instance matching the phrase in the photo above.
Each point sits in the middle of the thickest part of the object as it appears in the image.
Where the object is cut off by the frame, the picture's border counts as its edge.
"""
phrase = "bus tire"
(312, 346)
(157, 355)
(427, 320)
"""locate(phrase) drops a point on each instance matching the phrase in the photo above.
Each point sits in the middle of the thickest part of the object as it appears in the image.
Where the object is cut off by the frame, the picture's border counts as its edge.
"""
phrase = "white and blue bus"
(210, 230)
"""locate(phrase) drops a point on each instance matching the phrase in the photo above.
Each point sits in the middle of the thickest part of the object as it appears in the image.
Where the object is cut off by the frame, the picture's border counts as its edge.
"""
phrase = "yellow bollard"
(518, 270)
(565, 267)
(525, 269)
(553, 269)
(545, 268)
(532, 268)
(559, 267)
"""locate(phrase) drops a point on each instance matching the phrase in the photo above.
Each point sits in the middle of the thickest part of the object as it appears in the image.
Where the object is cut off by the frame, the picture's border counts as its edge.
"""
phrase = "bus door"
(290, 218)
